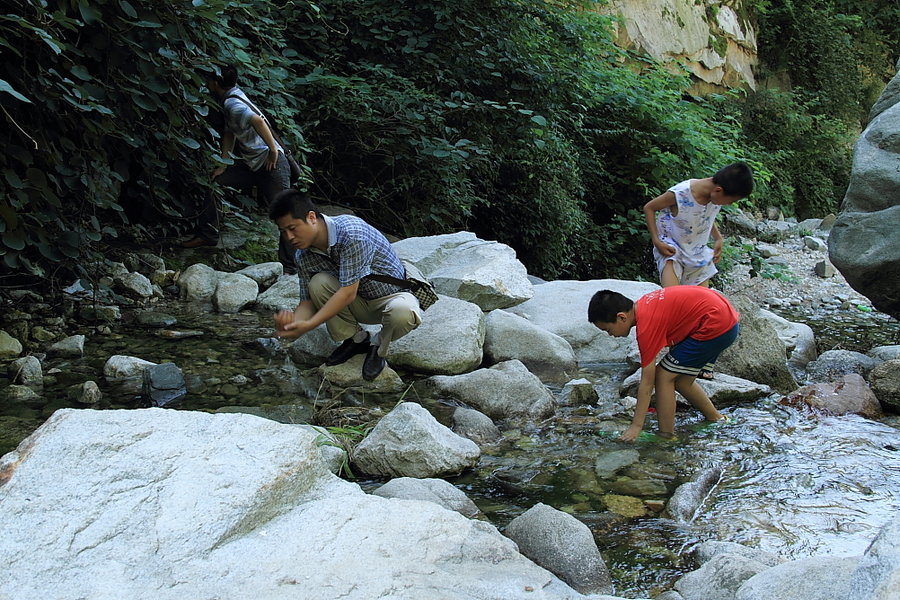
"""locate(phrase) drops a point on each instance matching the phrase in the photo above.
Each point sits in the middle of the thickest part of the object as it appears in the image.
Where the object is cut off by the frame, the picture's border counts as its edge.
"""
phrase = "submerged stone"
(164, 385)
(626, 506)
(155, 319)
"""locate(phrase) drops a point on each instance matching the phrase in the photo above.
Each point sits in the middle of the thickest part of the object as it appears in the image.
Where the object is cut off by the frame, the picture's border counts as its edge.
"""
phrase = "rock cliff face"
(862, 244)
(710, 38)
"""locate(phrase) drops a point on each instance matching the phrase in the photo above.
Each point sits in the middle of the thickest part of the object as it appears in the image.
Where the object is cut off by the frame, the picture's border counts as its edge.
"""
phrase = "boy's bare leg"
(665, 400)
(688, 387)
(668, 278)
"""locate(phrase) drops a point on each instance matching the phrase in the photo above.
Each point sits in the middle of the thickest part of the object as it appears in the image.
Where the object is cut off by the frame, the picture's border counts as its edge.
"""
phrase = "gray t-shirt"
(238, 113)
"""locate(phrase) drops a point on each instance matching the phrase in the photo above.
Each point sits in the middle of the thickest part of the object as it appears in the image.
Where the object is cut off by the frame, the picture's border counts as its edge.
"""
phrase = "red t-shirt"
(670, 315)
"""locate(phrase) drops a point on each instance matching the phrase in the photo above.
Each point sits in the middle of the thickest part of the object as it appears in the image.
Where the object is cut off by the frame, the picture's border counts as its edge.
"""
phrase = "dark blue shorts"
(689, 356)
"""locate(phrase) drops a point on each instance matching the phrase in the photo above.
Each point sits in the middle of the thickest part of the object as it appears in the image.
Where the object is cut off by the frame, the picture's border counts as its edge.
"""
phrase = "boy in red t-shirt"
(695, 322)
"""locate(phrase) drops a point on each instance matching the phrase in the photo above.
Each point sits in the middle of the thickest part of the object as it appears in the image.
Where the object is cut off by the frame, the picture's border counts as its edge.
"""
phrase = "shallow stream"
(794, 485)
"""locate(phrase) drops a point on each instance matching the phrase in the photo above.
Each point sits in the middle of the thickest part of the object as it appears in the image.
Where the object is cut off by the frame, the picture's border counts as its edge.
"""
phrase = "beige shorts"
(397, 313)
(686, 276)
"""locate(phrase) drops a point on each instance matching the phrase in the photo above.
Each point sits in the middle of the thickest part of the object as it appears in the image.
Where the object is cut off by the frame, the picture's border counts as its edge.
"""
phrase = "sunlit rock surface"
(862, 244)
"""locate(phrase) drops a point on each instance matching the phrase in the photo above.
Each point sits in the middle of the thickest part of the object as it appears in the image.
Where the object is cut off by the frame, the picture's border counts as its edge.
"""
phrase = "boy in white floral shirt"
(687, 218)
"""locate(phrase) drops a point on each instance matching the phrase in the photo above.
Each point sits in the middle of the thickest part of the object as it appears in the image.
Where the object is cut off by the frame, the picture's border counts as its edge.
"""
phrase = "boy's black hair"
(292, 202)
(606, 304)
(736, 179)
(228, 78)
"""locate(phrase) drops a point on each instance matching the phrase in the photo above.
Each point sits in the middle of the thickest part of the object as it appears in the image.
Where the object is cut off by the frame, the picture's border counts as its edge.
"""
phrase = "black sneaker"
(347, 350)
(373, 365)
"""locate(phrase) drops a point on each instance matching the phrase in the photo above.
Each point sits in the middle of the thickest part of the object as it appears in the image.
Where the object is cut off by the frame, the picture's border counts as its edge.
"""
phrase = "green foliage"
(808, 154)
(346, 438)
(621, 249)
(518, 120)
(759, 267)
(876, 44)
(255, 252)
(735, 251)
(108, 131)
(837, 53)
(814, 44)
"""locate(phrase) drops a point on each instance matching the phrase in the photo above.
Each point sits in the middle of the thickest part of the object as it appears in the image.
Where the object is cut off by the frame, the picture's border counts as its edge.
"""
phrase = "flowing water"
(792, 484)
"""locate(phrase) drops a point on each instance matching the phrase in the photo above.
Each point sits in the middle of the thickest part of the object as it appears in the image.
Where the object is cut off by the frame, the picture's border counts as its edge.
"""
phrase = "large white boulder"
(503, 391)
(234, 292)
(264, 274)
(284, 294)
(877, 576)
(564, 545)
(439, 491)
(814, 578)
(799, 342)
(448, 342)
(120, 366)
(561, 307)
(198, 283)
(160, 504)
(463, 266)
(409, 442)
(509, 336)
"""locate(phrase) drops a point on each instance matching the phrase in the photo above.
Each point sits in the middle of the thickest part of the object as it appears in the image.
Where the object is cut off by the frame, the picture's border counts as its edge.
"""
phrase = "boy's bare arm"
(645, 390)
(650, 209)
(717, 243)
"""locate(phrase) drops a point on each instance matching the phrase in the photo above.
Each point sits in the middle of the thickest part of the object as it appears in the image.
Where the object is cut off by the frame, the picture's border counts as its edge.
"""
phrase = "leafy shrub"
(813, 43)
(810, 153)
(736, 251)
(518, 120)
(109, 132)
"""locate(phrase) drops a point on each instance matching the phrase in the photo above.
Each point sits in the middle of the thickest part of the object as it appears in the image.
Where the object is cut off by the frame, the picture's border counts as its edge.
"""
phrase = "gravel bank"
(841, 317)
(800, 286)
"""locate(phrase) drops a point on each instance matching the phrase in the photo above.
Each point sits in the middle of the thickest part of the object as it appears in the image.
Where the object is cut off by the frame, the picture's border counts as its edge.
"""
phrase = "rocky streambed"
(788, 483)
(790, 286)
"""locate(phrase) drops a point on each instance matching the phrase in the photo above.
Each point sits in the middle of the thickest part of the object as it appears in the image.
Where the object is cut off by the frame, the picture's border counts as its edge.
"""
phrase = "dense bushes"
(837, 56)
(516, 120)
(810, 152)
(106, 126)
(837, 53)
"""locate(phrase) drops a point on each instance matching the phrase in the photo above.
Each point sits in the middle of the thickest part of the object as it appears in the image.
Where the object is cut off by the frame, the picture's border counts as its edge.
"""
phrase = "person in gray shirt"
(261, 163)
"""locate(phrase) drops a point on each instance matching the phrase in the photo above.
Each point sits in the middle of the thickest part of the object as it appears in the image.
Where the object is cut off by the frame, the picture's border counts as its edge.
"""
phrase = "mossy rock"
(15, 429)
(252, 243)
(626, 506)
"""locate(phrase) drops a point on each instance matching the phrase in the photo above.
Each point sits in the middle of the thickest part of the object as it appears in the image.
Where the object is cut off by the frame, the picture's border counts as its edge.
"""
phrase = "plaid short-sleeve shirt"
(355, 249)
